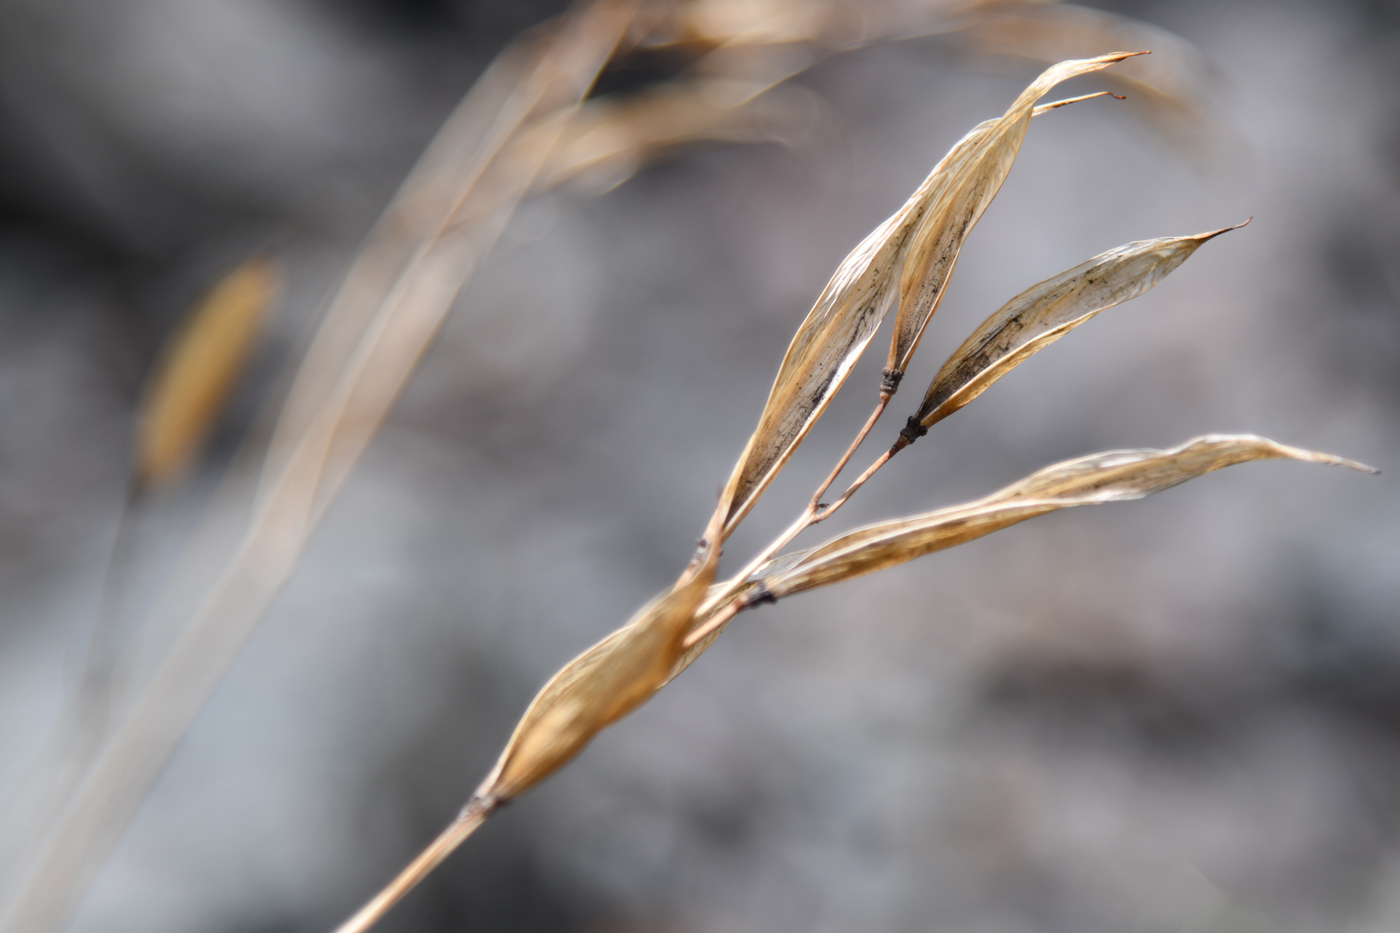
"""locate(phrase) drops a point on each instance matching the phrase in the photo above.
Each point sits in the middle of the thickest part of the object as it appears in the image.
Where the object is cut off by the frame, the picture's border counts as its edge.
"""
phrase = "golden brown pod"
(198, 369)
(1044, 313)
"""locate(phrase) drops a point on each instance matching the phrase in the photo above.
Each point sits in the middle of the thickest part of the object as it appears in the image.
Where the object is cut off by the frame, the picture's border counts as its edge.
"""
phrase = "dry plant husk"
(525, 126)
(1044, 313)
(1024, 326)
(969, 179)
(198, 368)
(905, 262)
(907, 259)
(1114, 476)
(600, 686)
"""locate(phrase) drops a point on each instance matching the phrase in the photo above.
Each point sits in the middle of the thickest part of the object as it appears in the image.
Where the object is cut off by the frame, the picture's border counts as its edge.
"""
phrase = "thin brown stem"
(850, 452)
(714, 622)
(811, 516)
(860, 481)
(730, 586)
(472, 816)
(815, 512)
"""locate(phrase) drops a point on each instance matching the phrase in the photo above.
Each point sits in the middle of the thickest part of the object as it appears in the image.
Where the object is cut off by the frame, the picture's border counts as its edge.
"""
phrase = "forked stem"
(473, 815)
(718, 620)
(850, 452)
(815, 512)
(860, 481)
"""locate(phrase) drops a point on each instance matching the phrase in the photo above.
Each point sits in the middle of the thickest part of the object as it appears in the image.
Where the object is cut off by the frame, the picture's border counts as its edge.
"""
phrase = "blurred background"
(1181, 714)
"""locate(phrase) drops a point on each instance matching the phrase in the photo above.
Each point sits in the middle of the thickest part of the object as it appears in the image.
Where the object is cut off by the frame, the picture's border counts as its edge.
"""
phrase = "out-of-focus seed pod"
(198, 368)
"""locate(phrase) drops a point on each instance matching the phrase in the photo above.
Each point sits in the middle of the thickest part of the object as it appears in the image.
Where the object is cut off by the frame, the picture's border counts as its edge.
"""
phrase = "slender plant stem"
(472, 816)
(718, 620)
(777, 544)
(850, 452)
(860, 481)
(814, 513)
(73, 740)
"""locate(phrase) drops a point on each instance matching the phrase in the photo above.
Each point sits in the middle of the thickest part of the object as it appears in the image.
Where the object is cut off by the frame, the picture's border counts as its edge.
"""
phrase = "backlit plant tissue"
(903, 267)
(533, 122)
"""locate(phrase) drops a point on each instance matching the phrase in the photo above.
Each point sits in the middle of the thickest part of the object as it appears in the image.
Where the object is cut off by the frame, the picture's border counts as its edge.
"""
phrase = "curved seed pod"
(826, 346)
(198, 368)
(600, 686)
(1043, 314)
(960, 195)
(1114, 476)
(837, 330)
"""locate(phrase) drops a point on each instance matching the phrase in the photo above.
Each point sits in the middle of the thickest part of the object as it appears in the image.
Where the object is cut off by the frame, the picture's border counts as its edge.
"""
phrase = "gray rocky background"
(1178, 714)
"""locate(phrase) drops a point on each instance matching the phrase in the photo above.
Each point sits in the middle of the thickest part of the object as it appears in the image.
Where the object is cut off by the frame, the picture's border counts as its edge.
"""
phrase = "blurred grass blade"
(1043, 314)
(197, 370)
(396, 294)
(610, 139)
(1114, 476)
(194, 375)
(965, 184)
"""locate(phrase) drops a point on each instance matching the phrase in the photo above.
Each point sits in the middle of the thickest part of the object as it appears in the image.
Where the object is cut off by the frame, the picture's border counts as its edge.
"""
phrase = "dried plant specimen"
(903, 265)
(528, 125)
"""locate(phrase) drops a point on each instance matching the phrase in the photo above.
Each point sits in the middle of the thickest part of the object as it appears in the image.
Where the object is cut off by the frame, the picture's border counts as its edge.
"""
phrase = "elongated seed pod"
(865, 286)
(198, 369)
(1044, 313)
(1114, 476)
(960, 194)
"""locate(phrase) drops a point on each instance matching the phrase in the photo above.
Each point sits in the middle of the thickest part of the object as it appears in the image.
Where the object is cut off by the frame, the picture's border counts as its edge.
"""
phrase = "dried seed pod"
(865, 286)
(1114, 476)
(820, 357)
(968, 181)
(198, 368)
(1044, 313)
(600, 686)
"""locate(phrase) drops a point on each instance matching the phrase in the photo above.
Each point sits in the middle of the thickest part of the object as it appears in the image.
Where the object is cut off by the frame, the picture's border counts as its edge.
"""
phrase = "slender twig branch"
(860, 481)
(815, 512)
(473, 815)
(719, 619)
(850, 452)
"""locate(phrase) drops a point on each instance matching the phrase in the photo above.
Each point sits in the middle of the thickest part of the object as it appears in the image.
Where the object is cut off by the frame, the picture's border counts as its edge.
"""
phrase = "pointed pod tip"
(1107, 59)
(1334, 460)
(1356, 465)
(1203, 237)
